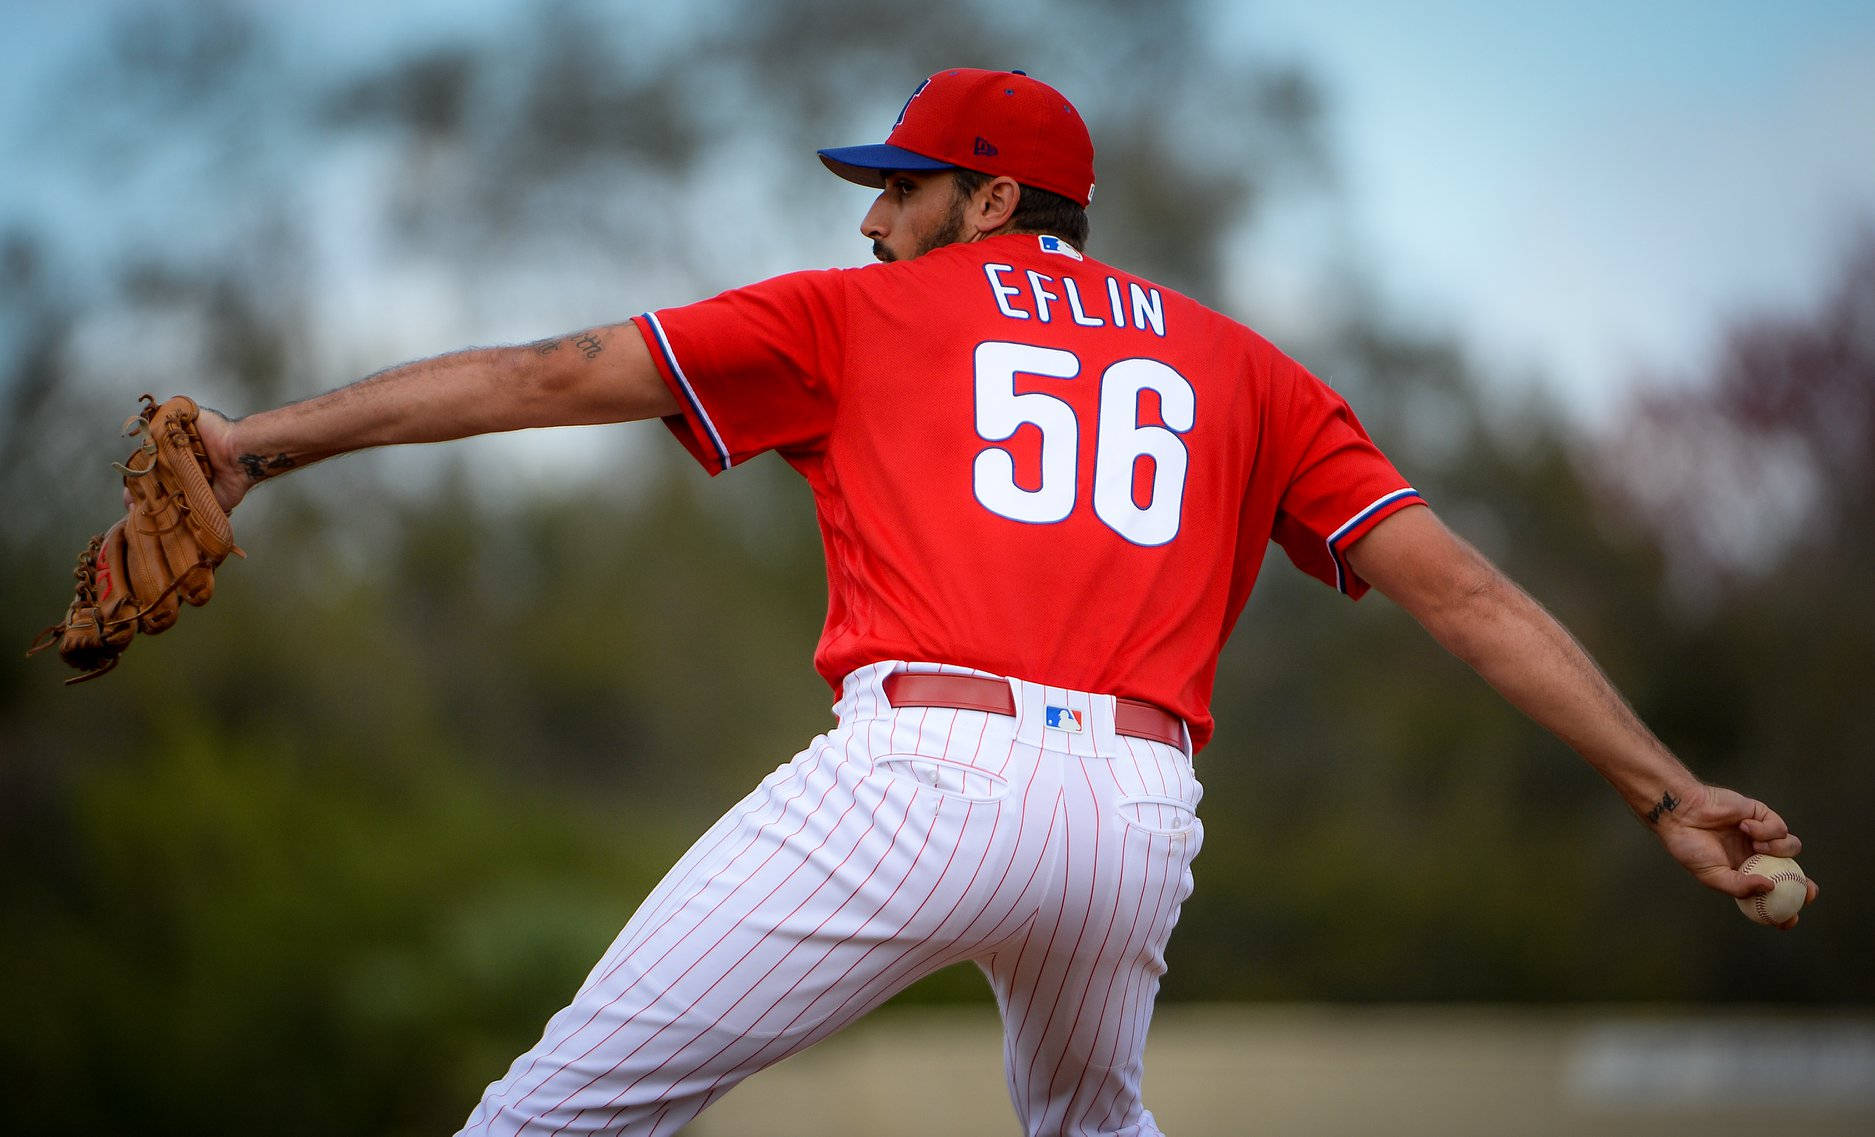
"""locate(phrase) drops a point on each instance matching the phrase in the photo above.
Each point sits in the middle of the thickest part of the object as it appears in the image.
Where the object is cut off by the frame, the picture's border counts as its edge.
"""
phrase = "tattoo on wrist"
(544, 347)
(589, 345)
(260, 469)
(1667, 804)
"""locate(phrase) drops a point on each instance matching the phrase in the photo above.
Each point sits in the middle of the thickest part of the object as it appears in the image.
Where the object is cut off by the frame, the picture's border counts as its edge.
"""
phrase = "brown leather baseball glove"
(134, 576)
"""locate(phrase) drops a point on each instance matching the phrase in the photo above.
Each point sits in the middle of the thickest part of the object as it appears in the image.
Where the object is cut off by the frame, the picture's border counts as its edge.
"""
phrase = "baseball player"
(1046, 486)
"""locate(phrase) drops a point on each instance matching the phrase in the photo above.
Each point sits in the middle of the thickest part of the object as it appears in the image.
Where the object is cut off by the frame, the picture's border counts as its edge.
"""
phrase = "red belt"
(1131, 717)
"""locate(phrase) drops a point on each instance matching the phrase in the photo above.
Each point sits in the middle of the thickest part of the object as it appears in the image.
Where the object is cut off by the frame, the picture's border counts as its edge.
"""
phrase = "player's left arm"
(1480, 615)
(599, 375)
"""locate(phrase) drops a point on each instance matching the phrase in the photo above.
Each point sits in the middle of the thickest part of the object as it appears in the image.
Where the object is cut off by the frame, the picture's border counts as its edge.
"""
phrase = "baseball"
(1781, 903)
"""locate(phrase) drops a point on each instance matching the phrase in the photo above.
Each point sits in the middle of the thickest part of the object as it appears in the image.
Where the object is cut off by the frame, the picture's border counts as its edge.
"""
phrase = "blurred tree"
(266, 933)
(1770, 459)
(447, 722)
(1760, 482)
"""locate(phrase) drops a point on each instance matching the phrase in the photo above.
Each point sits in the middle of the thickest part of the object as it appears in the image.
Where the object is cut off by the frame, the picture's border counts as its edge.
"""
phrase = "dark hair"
(1039, 211)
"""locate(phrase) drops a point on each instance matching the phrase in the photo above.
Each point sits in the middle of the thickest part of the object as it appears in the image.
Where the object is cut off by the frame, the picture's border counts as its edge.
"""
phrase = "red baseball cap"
(994, 122)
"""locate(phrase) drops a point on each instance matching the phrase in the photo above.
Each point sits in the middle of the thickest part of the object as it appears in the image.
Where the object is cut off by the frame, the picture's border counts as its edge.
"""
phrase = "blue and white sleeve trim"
(1342, 537)
(690, 394)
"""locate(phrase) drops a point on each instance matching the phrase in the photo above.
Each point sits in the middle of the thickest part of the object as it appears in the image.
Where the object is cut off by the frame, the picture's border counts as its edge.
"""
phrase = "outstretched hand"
(1715, 829)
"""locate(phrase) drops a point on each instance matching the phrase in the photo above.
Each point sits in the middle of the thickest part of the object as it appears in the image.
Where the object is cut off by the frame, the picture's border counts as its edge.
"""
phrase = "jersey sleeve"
(1340, 488)
(753, 368)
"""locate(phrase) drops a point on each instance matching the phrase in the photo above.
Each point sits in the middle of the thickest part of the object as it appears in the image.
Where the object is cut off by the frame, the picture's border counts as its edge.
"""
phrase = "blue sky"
(1591, 189)
(1582, 192)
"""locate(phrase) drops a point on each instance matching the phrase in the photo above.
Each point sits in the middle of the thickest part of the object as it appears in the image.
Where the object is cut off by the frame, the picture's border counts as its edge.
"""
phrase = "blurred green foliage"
(327, 856)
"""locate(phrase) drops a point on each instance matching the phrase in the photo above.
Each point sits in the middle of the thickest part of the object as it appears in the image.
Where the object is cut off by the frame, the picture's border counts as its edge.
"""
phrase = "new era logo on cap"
(1000, 123)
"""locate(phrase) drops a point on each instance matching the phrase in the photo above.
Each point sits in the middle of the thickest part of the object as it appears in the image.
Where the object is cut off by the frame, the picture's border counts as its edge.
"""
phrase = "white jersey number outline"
(1120, 440)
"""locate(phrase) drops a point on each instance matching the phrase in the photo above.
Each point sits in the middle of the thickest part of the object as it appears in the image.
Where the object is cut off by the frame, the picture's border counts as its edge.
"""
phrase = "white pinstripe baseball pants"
(903, 841)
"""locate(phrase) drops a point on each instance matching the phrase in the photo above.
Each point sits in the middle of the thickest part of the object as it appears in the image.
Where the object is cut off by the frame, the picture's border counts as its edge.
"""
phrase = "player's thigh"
(1077, 989)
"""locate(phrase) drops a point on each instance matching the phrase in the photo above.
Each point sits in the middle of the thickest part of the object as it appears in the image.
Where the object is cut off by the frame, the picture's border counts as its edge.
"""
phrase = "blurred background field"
(327, 856)
(1278, 1070)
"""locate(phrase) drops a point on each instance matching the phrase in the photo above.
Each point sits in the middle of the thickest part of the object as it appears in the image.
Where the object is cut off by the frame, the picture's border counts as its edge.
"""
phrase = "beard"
(948, 232)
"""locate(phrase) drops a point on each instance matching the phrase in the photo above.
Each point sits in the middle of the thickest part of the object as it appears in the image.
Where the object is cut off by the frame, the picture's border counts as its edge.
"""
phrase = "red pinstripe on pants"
(903, 841)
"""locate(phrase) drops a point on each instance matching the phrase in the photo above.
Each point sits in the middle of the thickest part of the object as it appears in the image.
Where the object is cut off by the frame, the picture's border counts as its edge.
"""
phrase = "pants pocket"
(1157, 813)
(945, 776)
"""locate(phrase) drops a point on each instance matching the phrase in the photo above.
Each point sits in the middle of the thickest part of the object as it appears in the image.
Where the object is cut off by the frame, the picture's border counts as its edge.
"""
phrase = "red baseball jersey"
(1029, 462)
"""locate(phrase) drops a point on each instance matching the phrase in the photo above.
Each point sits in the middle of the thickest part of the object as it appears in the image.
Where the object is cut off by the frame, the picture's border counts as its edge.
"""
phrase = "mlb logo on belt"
(1064, 718)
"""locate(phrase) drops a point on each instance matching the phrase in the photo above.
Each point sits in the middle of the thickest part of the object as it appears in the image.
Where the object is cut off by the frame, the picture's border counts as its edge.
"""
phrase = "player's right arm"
(1481, 616)
(600, 375)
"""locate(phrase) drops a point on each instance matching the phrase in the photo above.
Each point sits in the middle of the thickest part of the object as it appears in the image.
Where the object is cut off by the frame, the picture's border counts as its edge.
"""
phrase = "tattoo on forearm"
(1667, 804)
(588, 344)
(260, 468)
(545, 347)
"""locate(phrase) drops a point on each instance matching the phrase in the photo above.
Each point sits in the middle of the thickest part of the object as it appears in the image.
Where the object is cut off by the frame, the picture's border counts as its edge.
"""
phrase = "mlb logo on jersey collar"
(1065, 718)
(1053, 244)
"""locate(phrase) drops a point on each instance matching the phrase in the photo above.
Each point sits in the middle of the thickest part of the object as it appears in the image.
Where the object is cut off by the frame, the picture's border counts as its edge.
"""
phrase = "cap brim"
(867, 165)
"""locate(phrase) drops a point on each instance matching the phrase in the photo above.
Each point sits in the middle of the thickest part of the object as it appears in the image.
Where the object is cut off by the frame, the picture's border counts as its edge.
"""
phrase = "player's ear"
(994, 204)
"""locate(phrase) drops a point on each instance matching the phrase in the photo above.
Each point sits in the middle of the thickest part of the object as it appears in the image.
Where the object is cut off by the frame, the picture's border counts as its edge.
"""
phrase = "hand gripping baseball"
(1715, 830)
(134, 577)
